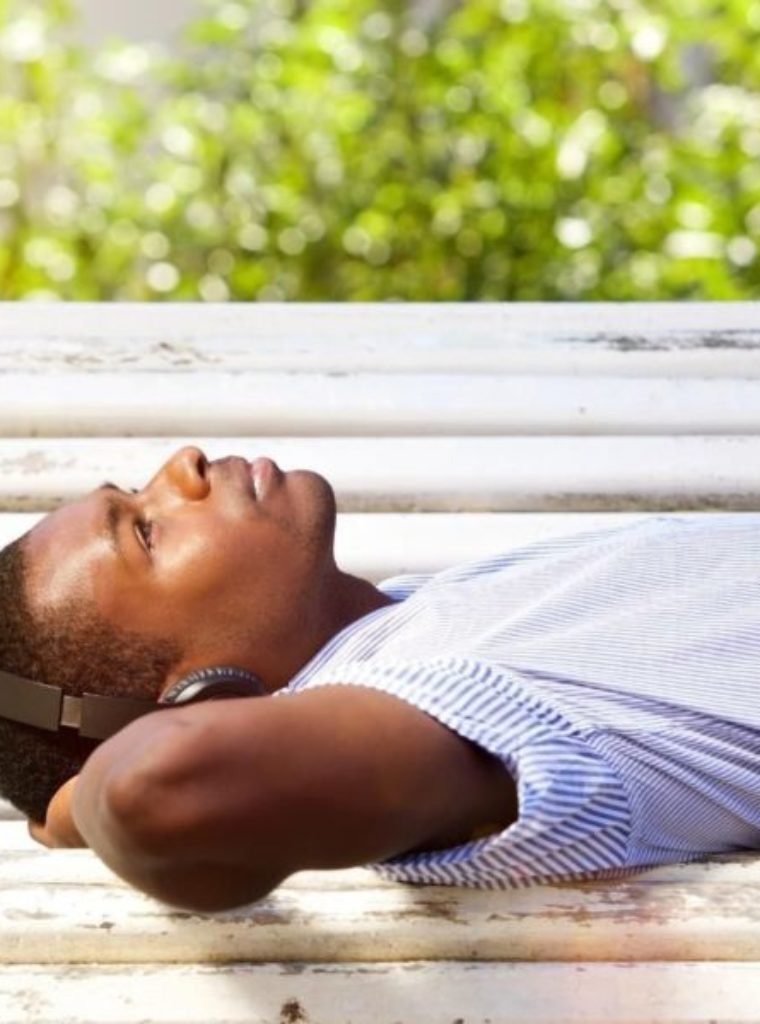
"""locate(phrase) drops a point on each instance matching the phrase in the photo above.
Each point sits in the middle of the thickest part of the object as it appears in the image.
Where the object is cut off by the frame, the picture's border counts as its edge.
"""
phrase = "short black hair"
(77, 650)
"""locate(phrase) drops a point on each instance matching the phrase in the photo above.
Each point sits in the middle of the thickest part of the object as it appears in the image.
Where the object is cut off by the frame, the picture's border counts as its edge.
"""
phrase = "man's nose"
(187, 472)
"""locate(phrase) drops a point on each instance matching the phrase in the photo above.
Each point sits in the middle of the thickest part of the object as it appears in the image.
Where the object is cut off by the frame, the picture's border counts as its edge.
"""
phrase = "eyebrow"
(112, 518)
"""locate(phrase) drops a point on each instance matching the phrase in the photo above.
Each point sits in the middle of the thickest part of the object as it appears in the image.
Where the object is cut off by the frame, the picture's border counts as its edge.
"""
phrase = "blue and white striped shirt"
(616, 675)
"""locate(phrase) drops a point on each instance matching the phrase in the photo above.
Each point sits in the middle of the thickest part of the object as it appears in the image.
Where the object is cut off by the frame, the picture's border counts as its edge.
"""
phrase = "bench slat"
(412, 474)
(268, 404)
(705, 339)
(687, 916)
(383, 993)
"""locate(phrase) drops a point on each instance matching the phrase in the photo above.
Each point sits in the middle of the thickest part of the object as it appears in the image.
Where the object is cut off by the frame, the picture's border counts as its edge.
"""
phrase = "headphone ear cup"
(214, 683)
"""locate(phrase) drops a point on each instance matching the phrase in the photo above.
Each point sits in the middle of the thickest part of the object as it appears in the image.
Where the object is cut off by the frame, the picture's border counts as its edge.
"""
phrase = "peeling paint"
(738, 338)
(17, 914)
(292, 1012)
(693, 500)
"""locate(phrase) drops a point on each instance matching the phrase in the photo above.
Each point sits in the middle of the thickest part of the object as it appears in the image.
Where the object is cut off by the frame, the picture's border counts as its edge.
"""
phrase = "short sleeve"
(574, 817)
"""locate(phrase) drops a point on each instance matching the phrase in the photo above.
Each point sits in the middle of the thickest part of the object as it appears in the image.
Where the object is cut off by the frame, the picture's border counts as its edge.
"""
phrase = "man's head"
(125, 592)
(227, 560)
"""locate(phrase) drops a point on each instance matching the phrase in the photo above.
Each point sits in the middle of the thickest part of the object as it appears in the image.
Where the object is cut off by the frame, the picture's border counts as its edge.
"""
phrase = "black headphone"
(98, 717)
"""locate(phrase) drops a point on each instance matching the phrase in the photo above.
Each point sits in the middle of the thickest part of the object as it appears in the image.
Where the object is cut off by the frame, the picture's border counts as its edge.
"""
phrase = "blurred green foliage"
(347, 149)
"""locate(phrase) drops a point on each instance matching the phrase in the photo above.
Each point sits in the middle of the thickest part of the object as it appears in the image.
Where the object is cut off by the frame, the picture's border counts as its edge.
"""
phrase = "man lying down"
(577, 707)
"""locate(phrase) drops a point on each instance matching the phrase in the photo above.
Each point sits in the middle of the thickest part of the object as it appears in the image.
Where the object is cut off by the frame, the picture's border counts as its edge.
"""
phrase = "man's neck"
(351, 598)
(357, 598)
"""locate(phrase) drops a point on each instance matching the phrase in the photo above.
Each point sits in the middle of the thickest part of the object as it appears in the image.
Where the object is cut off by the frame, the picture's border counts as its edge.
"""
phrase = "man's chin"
(315, 500)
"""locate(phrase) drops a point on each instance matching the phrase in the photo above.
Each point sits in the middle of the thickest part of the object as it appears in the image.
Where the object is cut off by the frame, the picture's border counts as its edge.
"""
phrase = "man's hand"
(59, 829)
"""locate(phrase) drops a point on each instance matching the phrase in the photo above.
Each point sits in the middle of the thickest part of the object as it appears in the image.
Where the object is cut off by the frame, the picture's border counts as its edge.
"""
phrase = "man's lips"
(264, 474)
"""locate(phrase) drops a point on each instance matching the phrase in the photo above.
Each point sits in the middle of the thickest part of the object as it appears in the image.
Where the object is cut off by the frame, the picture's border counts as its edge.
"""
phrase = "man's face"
(227, 558)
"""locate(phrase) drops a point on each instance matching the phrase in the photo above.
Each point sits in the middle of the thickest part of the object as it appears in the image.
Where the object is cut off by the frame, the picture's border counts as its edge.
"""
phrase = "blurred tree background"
(359, 150)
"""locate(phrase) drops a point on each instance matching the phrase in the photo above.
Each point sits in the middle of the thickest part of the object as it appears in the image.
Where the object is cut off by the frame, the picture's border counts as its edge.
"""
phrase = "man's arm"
(213, 805)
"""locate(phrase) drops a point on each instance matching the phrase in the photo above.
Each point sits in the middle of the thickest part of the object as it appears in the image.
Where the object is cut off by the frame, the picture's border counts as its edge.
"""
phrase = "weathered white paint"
(639, 339)
(383, 993)
(410, 474)
(268, 404)
(637, 920)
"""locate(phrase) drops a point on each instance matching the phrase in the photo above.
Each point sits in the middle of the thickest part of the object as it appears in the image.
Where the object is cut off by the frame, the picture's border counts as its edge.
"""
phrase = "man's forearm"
(212, 806)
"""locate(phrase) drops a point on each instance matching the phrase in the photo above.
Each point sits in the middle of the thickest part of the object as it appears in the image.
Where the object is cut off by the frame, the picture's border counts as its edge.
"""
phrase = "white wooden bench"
(448, 431)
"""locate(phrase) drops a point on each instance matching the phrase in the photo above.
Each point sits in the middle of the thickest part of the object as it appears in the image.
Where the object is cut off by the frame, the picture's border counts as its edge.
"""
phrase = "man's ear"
(59, 829)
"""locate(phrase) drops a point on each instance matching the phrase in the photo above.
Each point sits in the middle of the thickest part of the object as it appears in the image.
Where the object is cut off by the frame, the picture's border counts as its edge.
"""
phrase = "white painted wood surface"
(268, 404)
(348, 946)
(391, 369)
(638, 339)
(449, 432)
(67, 908)
(411, 474)
(386, 993)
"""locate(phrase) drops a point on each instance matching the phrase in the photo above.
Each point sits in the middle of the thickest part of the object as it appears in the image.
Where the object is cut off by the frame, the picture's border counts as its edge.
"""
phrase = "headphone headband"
(96, 716)
(48, 707)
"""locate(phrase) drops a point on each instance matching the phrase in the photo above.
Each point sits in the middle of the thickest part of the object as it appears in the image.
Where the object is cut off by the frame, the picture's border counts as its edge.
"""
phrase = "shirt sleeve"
(574, 817)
